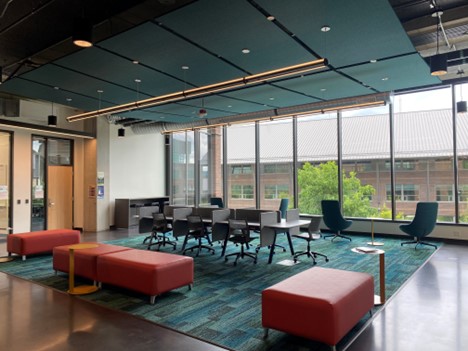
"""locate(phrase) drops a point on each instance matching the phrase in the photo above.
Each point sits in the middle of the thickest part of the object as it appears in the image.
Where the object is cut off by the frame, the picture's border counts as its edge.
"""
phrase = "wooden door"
(60, 197)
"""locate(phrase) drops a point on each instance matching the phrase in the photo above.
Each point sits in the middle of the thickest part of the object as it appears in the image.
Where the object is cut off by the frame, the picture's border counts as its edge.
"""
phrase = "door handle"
(50, 203)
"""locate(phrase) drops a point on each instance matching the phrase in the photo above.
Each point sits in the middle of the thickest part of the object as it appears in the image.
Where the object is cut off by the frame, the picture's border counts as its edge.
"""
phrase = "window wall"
(424, 152)
(276, 163)
(379, 162)
(183, 168)
(366, 162)
(241, 168)
(461, 94)
(317, 156)
(211, 164)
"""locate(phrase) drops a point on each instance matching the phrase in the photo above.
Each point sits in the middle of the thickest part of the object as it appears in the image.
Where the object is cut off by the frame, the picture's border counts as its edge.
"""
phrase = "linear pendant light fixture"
(208, 89)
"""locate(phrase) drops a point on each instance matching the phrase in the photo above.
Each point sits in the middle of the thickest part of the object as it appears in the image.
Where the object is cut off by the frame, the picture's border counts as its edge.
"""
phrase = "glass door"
(52, 183)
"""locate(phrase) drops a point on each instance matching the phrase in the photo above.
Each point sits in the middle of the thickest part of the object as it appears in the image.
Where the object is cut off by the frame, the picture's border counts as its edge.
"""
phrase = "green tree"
(317, 183)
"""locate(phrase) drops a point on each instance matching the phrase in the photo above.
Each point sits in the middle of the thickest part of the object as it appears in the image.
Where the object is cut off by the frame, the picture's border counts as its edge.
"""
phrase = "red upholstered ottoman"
(85, 259)
(321, 304)
(148, 272)
(40, 242)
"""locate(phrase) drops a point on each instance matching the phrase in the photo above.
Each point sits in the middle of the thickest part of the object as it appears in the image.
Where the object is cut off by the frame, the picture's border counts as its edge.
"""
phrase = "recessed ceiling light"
(271, 98)
(373, 61)
(137, 80)
(245, 51)
(229, 106)
(135, 62)
(56, 88)
(323, 89)
(69, 99)
(100, 91)
(271, 18)
(385, 78)
(325, 28)
(185, 67)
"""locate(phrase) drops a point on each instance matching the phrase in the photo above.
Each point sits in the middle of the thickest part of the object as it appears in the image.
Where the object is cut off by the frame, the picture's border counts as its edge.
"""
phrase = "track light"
(121, 132)
(82, 33)
(230, 85)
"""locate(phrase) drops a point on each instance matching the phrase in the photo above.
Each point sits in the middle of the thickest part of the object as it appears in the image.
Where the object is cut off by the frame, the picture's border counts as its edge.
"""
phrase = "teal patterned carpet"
(224, 307)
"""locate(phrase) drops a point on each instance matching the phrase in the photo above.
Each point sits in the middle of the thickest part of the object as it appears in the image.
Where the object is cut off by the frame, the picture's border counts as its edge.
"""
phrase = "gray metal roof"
(419, 134)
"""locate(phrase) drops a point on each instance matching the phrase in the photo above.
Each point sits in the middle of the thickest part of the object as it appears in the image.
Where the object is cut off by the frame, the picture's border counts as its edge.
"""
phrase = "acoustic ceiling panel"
(326, 85)
(226, 27)
(359, 31)
(161, 50)
(393, 74)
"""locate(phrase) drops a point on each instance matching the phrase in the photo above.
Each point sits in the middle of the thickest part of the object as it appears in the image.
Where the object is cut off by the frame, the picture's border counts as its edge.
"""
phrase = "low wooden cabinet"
(129, 211)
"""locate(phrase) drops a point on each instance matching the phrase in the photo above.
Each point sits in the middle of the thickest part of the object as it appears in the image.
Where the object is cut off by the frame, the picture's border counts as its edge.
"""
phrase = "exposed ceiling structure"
(144, 49)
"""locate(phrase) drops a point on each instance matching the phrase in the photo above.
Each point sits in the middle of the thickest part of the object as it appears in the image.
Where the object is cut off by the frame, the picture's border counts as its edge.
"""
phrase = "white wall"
(137, 166)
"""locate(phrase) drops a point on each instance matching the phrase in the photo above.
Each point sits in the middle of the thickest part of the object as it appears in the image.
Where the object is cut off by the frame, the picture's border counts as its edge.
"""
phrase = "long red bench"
(43, 241)
(149, 272)
(320, 304)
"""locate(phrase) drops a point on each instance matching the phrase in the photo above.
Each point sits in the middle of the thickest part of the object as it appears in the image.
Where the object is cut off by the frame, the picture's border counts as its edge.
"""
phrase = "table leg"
(382, 278)
(290, 243)
(272, 249)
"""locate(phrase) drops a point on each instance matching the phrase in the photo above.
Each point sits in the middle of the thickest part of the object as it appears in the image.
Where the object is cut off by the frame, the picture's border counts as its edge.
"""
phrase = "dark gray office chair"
(217, 201)
(313, 233)
(160, 230)
(422, 224)
(334, 220)
(239, 233)
(197, 230)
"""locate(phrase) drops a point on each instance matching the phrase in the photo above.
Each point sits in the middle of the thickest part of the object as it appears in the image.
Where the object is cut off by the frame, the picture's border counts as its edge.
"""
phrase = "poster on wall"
(100, 185)
(100, 178)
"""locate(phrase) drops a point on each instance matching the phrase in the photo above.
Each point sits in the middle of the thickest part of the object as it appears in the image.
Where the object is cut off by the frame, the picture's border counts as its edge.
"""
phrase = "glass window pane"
(276, 163)
(211, 161)
(5, 164)
(241, 166)
(183, 168)
(366, 163)
(317, 158)
(59, 152)
(38, 183)
(461, 94)
(424, 152)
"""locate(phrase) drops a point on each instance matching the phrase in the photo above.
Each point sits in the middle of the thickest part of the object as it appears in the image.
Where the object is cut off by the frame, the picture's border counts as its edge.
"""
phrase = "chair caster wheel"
(235, 264)
(326, 260)
(284, 250)
(255, 262)
(212, 253)
(295, 260)
(225, 260)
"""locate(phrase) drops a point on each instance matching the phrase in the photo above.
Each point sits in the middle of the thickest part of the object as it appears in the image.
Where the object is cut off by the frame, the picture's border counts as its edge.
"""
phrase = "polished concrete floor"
(427, 314)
